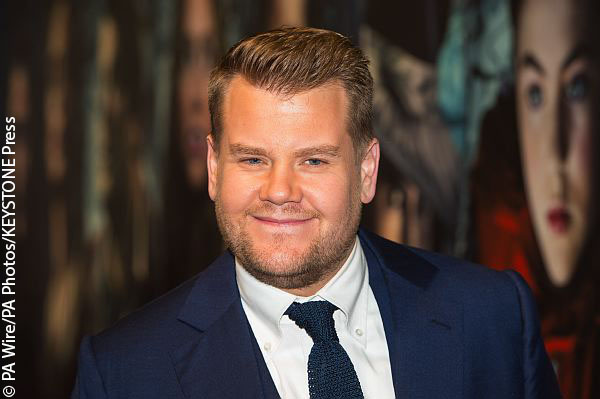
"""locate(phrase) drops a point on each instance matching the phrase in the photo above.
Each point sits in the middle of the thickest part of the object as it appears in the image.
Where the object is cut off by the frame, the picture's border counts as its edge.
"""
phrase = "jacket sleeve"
(538, 373)
(88, 384)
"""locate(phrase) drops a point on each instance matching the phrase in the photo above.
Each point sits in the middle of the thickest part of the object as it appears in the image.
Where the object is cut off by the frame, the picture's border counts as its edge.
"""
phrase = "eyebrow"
(330, 150)
(529, 60)
(242, 149)
(580, 51)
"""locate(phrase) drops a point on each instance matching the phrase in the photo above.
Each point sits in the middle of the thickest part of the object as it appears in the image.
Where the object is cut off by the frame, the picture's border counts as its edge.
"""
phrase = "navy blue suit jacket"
(454, 330)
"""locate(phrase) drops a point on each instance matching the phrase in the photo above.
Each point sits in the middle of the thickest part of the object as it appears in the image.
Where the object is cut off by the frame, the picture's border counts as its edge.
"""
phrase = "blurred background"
(487, 111)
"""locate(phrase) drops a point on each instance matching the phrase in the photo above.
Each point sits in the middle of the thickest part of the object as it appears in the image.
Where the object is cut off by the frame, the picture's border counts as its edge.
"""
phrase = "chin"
(559, 273)
(196, 174)
(278, 267)
(275, 262)
(282, 240)
(281, 252)
(560, 264)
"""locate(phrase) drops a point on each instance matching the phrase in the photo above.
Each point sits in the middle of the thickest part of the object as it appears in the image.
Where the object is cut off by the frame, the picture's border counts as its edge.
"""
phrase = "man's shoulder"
(493, 314)
(490, 302)
(157, 321)
(449, 275)
(141, 349)
(147, 325)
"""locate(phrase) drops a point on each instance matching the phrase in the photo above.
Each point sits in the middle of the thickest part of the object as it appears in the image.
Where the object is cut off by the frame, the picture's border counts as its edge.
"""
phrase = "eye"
(252, 161)
(314, 162)
(534, 95)
(577, 88)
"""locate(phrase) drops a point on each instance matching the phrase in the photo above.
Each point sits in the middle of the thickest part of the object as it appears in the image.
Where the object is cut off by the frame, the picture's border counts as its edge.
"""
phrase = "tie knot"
(316, 318)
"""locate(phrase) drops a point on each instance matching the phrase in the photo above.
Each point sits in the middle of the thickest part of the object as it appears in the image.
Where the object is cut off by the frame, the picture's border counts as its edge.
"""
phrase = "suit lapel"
(423, 329)
(217, 359)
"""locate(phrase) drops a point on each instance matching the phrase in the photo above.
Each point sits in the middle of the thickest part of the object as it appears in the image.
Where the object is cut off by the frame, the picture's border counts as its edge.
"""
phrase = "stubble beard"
(286, 269)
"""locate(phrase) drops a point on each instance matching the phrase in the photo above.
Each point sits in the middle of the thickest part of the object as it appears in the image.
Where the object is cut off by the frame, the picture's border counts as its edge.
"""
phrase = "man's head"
(293, 60)
(292, 154)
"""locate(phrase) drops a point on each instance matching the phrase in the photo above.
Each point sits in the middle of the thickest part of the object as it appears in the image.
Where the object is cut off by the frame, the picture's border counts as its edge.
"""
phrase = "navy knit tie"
(330, 371)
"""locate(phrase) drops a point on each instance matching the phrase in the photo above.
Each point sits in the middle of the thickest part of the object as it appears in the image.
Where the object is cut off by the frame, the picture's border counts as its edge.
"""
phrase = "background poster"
(487, 111)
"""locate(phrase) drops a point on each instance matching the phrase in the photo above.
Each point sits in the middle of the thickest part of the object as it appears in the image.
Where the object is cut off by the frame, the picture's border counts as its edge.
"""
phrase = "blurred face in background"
(556, 85)
(198, 49)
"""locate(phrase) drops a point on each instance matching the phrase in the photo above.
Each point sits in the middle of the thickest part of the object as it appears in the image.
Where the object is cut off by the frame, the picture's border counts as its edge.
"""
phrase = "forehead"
(198, 18)
(254, 114)
(546, 26)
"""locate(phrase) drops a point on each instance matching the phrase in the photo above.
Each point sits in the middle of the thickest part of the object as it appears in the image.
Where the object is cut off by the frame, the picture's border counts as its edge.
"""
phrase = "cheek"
(236, 191)
(329, 194)
(581, 138)
(527, 128)
(193, 87)
(534, 171)
(185, 89)
(580, 158)
(531, 157)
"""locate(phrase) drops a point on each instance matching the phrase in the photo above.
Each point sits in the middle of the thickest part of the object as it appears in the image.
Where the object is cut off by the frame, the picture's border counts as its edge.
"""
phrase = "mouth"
(559, 219)
(281, 222)
(195, 142)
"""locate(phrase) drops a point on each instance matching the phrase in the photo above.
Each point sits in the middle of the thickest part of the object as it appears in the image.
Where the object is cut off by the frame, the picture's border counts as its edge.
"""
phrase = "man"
(302, 306)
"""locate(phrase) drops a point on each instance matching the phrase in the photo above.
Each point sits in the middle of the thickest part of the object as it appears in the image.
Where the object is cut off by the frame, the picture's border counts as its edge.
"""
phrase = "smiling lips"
(559, 219)
(282, 222)
(195, 142)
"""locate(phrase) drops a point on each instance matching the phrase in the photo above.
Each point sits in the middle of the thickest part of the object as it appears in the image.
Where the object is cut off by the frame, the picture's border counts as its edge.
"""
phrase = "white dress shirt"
(285, 347)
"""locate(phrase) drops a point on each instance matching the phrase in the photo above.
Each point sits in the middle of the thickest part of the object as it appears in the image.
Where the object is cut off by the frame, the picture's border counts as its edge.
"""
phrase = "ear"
(369, 167)
(212, 163)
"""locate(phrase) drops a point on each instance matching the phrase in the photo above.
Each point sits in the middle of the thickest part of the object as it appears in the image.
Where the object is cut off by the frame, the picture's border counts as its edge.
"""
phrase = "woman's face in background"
(555, 91)
(199, 46)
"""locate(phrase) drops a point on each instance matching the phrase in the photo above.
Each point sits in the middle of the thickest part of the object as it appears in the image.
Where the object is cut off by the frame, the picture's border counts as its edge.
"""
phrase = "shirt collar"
(348, 290)
(345, 289)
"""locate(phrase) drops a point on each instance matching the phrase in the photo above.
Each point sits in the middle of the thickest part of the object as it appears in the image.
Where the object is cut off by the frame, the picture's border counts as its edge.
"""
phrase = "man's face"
(286, 183)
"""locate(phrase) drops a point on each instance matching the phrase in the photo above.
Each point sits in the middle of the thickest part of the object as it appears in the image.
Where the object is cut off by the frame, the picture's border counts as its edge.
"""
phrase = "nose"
(559, 146)
(562, 129)
(281, 185)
